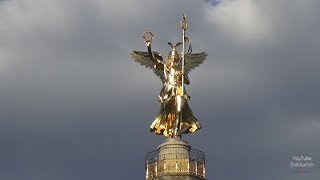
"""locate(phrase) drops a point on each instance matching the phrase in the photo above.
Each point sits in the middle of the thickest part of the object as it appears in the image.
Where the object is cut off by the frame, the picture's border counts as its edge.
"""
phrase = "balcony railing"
(175, 164)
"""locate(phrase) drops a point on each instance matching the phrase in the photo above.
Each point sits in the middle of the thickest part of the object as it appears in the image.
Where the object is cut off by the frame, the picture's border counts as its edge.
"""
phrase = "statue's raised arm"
(150, 59)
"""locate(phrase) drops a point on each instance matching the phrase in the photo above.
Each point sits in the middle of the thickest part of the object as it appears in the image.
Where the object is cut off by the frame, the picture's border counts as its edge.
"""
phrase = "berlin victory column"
(174, 159)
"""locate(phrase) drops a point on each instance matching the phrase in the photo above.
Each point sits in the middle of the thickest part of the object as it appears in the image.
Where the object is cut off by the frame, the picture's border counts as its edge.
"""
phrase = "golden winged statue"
(175, 116)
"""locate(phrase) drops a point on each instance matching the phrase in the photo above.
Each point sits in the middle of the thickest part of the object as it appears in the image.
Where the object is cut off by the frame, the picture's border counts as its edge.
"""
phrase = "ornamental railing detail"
(175, 164)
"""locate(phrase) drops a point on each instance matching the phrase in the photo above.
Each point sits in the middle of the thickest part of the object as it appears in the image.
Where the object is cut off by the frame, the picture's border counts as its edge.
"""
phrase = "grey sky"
(73, 105)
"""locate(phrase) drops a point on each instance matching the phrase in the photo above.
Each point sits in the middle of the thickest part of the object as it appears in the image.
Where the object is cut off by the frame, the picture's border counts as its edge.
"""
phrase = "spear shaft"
(184, 26)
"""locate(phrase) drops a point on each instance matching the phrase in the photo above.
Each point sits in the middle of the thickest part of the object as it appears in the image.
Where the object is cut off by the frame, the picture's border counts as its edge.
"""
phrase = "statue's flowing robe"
(168, 119)
(175, 116)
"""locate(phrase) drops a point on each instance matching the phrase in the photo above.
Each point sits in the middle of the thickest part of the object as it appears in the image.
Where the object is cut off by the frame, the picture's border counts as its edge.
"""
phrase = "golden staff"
(184, 26)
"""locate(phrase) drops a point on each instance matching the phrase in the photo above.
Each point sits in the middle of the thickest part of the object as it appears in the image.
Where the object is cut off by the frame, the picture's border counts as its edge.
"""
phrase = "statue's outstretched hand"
(148, 43)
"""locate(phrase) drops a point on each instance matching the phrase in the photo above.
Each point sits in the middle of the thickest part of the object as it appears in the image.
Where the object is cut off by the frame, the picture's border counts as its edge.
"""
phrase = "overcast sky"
(75, 106)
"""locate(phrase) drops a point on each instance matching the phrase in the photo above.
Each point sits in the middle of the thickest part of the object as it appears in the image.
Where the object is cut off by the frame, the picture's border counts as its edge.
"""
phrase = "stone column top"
(174, 142)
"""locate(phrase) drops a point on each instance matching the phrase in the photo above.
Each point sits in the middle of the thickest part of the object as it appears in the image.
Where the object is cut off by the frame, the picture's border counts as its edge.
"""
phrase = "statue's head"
(174, 54)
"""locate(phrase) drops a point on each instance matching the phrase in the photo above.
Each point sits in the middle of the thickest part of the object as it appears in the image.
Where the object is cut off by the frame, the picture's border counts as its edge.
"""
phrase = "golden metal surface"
(175, 116)
(184, 22)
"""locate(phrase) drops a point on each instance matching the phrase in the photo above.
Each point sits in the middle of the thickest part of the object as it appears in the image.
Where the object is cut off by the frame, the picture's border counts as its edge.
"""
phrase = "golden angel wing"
(143, 59)
(193, 60)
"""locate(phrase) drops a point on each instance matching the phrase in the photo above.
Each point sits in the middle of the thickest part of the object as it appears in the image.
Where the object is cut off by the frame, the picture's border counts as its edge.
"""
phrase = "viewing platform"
(175, 159)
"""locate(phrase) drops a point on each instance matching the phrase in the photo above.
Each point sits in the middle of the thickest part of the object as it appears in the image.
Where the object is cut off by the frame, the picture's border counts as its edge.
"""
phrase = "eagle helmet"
(174, 54)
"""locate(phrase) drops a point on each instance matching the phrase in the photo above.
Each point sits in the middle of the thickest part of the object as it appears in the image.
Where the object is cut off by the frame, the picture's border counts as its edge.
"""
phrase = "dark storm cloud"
(74, 105)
